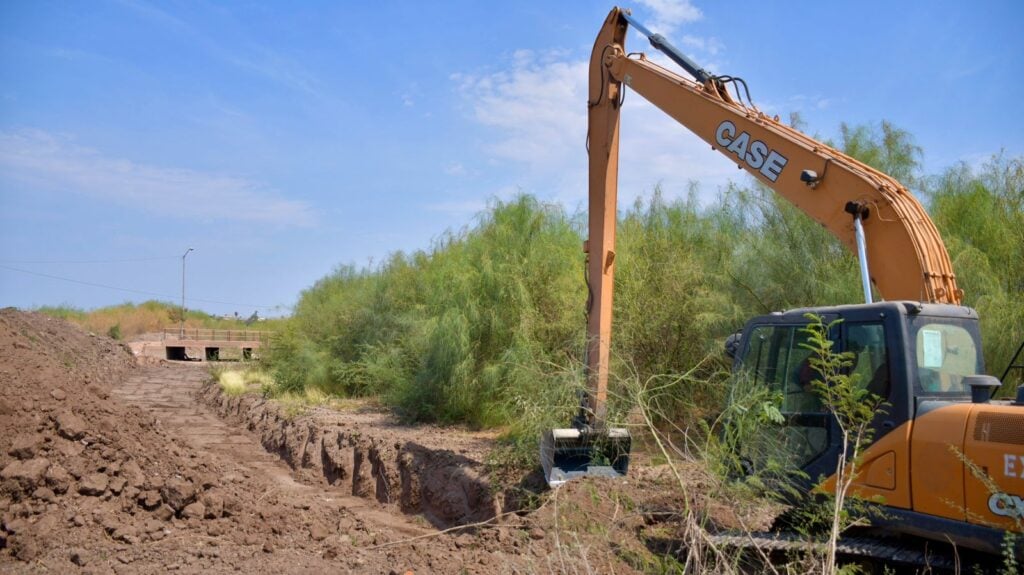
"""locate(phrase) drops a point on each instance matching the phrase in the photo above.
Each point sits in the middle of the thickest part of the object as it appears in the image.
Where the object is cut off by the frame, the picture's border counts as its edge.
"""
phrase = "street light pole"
(181, 334)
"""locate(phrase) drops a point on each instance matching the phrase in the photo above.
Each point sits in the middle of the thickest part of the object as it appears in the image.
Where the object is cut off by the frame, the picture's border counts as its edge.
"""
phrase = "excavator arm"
(907, 257)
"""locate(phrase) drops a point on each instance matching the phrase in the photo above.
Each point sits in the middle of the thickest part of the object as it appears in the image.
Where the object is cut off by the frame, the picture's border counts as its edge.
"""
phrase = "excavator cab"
(939, 443)
(904, 355)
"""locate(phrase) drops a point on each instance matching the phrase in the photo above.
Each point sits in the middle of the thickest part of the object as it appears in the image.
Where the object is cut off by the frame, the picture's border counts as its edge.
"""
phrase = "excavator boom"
(908, 258)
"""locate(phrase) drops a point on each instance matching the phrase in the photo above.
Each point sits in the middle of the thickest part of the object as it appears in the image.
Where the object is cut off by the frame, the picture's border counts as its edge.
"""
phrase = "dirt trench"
(425, 471)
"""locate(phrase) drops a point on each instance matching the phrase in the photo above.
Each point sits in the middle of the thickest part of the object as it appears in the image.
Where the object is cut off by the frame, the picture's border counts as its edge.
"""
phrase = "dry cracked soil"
(112, 463)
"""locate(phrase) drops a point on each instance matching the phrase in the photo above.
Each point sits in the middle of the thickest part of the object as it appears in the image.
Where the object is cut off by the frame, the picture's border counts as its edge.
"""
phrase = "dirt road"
(170, 390)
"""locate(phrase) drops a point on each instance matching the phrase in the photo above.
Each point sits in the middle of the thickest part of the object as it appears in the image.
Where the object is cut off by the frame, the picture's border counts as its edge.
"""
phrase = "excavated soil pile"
(88, 483)
(68, 463)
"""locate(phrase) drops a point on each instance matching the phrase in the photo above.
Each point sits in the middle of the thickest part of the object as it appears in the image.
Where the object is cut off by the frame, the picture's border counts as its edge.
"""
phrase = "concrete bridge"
(207, 344)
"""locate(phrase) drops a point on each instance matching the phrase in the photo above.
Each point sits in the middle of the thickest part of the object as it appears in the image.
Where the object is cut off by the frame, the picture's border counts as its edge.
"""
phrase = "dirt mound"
(59, 440)
(88, 482)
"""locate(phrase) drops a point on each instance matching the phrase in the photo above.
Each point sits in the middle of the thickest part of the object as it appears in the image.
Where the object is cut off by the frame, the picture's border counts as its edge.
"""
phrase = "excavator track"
(893, 554)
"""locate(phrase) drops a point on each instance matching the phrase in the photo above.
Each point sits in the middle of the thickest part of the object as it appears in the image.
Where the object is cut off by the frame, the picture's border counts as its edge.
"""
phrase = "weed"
(232, 383)
(854, 409)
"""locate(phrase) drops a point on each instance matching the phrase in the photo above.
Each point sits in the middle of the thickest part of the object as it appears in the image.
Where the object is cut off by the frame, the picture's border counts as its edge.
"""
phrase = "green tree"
(980, 213)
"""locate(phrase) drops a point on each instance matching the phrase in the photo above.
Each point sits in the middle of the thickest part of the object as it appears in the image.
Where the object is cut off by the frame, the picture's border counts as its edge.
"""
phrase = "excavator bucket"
(570, 453)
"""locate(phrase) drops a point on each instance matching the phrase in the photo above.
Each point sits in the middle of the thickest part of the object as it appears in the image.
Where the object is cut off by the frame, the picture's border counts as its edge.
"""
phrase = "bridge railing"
(206, 334)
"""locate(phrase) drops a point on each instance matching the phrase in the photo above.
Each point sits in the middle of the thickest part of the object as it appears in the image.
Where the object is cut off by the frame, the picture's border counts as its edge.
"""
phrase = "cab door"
(883, 473)
(775, 357)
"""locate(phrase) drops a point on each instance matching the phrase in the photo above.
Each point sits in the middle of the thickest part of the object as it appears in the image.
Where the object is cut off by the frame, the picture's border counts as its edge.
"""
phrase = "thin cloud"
(670, 14)
(709, 46)
(257, 59)
(799, 103)
(455, 169)
(41, 158)
(535, 113)
(155, 14)
(410, 95)
(276, 68)
(537, 108)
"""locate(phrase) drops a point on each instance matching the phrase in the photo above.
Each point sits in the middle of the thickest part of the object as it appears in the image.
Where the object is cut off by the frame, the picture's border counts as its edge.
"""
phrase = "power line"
(140, 292)
(116, 261)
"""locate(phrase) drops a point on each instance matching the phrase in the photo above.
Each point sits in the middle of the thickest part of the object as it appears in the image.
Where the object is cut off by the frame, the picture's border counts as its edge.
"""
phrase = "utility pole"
(181, 334)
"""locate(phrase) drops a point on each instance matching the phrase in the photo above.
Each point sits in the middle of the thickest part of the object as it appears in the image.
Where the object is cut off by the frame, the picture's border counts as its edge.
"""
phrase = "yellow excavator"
(946, 459)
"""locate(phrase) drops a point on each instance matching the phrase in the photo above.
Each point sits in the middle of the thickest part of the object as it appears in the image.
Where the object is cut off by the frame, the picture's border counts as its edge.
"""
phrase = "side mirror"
(732, 344)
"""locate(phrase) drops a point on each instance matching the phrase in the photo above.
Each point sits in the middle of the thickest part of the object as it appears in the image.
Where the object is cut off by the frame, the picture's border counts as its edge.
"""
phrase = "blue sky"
(283, 139)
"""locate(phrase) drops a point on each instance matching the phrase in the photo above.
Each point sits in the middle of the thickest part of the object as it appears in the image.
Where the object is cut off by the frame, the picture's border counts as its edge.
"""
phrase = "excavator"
(946, 460)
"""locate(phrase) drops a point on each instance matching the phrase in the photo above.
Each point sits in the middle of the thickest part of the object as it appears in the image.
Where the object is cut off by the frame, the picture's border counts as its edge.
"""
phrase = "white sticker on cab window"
(932, 341)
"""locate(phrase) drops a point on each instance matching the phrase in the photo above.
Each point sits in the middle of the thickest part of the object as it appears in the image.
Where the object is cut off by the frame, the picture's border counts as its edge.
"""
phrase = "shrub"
(487, 326)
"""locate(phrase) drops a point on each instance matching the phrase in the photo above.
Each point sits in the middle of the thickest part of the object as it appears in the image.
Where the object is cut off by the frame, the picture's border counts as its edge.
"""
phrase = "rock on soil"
(24, 475)
(70, 426)
(93, 485)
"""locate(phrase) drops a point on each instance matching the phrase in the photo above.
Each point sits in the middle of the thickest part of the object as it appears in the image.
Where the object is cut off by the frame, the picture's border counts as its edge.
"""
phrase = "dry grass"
(232, 383)
(236, 381)
(132, 320)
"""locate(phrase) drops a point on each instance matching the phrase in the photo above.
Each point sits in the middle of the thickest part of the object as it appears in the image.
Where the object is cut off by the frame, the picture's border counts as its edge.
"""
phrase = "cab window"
(945, 353)
(866, 343)
(777, 359)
